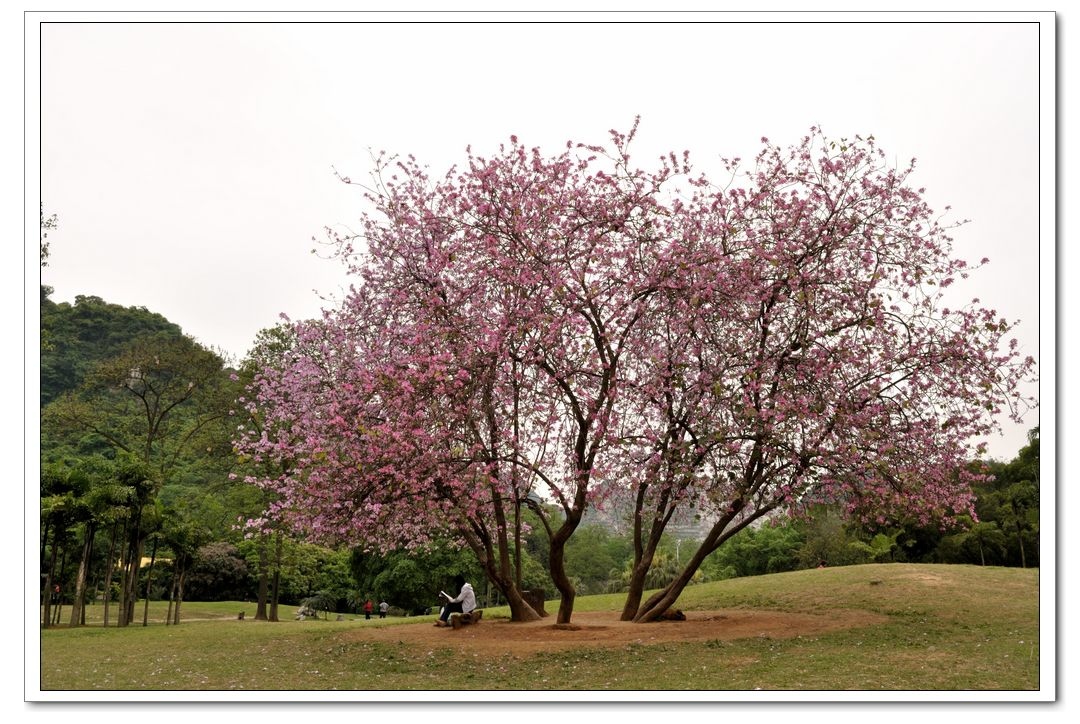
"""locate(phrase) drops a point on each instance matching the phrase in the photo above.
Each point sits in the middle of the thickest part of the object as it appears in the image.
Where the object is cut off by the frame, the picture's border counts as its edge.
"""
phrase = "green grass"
(946, 628)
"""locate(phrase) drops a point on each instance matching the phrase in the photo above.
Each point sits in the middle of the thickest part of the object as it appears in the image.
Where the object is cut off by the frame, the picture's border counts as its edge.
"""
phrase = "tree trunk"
(644, 552)
(47, 594)
(520, 610)
(275, 588)
(172, 597)
(504, 575)
(1020, 541)
(108, 576)
(129, 581)
(78, 603)
(556, 559)
(121, 605)
(179, 595)
(517, 539)
(637, 587)
(661, 601)
(44, 549)
(500, 574)
(60, 595)
(264, 574)
(149, 580)
(125, 578)
(133, 585)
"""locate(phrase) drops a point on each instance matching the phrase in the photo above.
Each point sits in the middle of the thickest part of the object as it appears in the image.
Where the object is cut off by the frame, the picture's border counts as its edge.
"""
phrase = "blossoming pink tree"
(581, 328)
(810, 355)
(478, 358)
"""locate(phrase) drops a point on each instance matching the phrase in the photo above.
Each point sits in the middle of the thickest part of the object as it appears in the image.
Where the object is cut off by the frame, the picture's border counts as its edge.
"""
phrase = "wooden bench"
(457, 620)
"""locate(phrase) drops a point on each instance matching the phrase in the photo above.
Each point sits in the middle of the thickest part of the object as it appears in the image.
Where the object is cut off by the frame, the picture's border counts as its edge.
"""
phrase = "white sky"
(191, 164)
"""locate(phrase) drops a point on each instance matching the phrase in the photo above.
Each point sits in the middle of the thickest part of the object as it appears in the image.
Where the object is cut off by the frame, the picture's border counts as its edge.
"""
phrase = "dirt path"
(600, 629)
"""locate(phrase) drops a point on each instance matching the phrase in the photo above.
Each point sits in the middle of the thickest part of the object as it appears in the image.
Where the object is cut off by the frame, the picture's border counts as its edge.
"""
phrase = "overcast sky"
(191, 164)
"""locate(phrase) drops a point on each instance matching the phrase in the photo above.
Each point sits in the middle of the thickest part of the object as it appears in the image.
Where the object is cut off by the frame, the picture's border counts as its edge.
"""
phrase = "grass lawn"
(933, 628)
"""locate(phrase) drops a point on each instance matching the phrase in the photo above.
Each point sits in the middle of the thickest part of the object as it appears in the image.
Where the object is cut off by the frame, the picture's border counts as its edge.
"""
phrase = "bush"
(219, 573)
(321, 601)
(755, 551)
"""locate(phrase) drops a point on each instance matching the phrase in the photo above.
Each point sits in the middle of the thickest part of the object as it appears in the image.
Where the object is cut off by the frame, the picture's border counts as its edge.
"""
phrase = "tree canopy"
(576, 329)
(85, 333)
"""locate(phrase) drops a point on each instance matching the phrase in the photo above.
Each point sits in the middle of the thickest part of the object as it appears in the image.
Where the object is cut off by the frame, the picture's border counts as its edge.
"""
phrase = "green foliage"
(411, 580)
(48, 223)
(982, 543)
(61, 492)
(592, 555)
(307, 569)
(880, 548)
(828, 541)
(326, 601)
(1011, 501)
(160, 398)
(182, 538)
(756, 551)
(1005, 530)
(534, 577)
(156, 399)
(219, 573)
(84, 334)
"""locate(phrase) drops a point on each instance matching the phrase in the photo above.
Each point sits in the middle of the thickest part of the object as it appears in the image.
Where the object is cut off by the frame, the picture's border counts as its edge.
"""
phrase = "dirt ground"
(599, 629)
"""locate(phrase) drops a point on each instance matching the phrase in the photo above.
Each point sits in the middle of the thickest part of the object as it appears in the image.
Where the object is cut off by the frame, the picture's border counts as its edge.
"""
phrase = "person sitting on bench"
(463, 603)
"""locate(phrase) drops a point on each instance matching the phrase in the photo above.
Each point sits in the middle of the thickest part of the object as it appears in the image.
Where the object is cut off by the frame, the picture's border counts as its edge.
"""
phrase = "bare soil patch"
(604, 629)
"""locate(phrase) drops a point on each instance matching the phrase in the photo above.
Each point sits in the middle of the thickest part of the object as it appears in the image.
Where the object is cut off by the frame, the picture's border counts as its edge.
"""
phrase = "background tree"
(219, 573)
(93, 505)
(48, 223)
(1011, 500)
(86, 333)
(135, 401)
(60, 492)
(591, 556)
(411, 580)
(828, 539)
(264, 537)
(139, 521)
(757, 551)
(153, 403)
(183, 539)
(321, 601)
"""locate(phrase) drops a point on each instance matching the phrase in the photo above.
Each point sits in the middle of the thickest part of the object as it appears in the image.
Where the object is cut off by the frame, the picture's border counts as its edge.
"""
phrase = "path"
(603, 629)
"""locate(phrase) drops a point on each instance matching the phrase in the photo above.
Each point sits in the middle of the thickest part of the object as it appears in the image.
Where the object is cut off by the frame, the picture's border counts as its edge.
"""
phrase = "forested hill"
(125, 392)
(77, 337)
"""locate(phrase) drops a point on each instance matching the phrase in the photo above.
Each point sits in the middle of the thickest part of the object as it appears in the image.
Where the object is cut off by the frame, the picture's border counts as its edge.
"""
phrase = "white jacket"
(467, 598)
